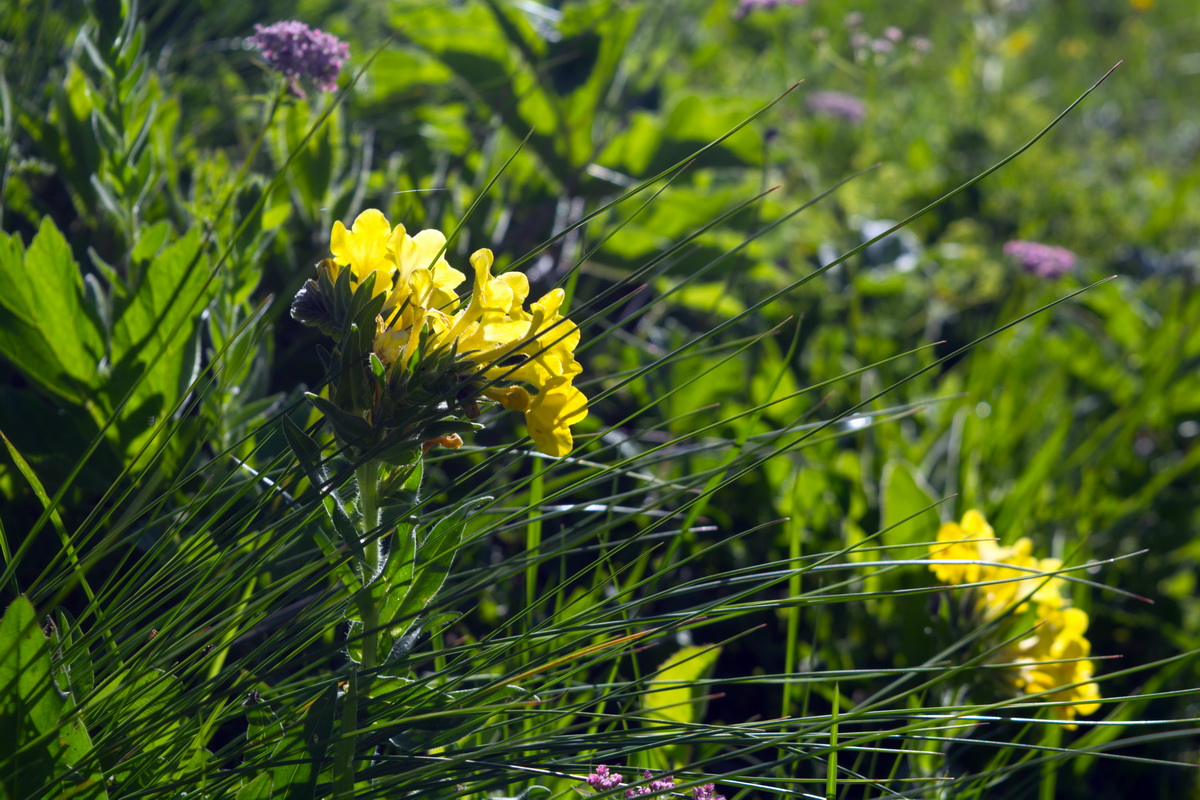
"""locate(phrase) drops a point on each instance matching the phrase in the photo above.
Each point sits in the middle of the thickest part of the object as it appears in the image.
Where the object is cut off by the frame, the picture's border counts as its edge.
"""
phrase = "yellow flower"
(557, 406)
(364, 248)
(974, 528)
(1003, 585)
(425, 281)
(493, 330)
(536, 347)
(1018, 42)
(1057, 655)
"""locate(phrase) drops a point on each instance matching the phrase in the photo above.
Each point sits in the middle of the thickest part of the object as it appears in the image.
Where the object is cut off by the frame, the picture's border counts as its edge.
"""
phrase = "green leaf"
(148, 703)
(905, 493)
(653, 143)
(258, 789)
(308, 452)
(45, 328)
(310, 743)
(349, 427)
(155, 347)
(42, 739)
(674, 695)
(306, 449)
(409, 590)
(76, 668)
(278, 207)
(486, 50)
(312, 168)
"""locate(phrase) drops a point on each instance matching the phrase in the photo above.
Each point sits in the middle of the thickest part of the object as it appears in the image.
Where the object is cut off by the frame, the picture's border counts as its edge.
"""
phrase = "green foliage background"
(159, 210)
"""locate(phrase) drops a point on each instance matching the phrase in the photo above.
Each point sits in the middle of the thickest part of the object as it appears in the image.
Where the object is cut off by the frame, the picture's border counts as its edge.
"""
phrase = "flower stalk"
(366, 475)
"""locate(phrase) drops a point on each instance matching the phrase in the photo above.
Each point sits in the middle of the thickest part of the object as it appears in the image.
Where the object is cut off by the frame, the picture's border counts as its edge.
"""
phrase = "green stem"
(367, 477)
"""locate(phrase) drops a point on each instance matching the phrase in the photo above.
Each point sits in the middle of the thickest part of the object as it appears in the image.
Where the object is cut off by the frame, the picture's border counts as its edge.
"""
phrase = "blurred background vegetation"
(1077, 427)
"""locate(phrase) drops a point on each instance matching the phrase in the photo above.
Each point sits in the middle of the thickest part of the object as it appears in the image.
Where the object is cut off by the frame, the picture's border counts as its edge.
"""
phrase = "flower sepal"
(349, 428)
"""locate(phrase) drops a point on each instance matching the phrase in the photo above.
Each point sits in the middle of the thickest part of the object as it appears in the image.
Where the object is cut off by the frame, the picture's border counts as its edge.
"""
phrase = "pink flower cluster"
(603, 778)
(865, 45)
(837, 105)
(657, 785)
(1043, 260)
(297, 51)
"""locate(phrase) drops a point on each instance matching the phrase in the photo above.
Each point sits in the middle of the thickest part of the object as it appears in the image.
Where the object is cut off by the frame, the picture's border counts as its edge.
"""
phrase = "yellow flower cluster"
(1056, 654)
(974, 540)
(492, 330)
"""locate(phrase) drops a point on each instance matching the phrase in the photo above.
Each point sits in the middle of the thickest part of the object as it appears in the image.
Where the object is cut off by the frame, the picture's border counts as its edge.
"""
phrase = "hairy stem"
(367, 477)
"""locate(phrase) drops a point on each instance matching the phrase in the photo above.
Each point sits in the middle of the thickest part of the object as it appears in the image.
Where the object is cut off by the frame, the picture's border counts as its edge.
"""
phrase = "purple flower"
(893, 33)
(747, 6)
(603, 779)
(838, 105)
(1043, 260)
(657, 785)
(297, 51)
(707, 792)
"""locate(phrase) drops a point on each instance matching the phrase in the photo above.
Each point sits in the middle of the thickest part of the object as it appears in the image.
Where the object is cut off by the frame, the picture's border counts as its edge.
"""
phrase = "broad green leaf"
(583, 65)
(45, 328)
(905, 493)
(653, 143)
(42, 740)
(406, 599)
(498, 56)
(163, 312)
(674, 695)
(707, 298)
(277, 209)
(258, 789)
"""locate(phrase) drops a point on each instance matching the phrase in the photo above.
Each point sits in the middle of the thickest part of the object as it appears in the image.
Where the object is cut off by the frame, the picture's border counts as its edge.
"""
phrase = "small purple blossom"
(297, 51)
(853, 19)
(838, 105)
(657, 785)
(1043, 260)
(603, 779)
(920, 44)
(747, 6)
(893, 33)
(707, 792)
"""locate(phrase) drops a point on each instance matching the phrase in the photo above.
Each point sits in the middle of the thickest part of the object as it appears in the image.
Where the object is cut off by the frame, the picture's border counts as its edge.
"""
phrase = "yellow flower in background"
(975, 529)
(1003, 585)
(1057, 655)
(1017, 42)
(507, 344)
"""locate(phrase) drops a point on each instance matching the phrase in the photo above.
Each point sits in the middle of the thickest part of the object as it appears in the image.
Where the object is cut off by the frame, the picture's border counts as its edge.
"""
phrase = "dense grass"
(728, 577)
